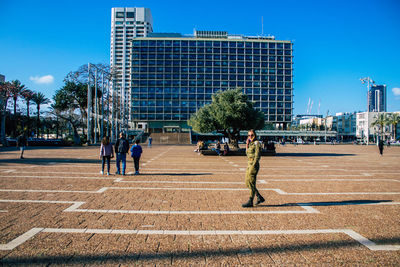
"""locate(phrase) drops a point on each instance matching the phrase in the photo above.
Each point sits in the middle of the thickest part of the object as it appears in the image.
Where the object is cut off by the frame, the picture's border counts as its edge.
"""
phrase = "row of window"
(215, 77)
(185, 104)
(210, 57)
(202, 90)
(160, 63)
(184, 117)
(279, 98)
(166, 70)
(225, 84)
(278, 52)
(123, 15)
(224, 44)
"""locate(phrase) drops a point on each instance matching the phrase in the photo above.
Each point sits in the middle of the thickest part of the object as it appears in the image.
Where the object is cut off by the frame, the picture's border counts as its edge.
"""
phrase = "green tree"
(381, 121)
(393, 120)
(229, 112)
(39, 99)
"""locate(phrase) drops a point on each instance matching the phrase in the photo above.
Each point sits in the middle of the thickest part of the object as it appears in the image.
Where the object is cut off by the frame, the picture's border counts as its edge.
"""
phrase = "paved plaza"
(332, 205)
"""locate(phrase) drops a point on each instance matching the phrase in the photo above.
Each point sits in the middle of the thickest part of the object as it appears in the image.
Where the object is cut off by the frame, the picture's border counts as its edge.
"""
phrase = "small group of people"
(121, 149)
(217, 149)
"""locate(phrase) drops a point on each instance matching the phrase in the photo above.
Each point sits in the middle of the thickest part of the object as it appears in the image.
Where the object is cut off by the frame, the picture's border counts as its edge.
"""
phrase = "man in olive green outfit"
(253, 151)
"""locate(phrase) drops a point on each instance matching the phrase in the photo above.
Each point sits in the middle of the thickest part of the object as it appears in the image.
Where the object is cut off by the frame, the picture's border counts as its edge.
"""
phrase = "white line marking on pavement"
(20, 239)
(351, 233)
(8, 171)
(277, 190)
(331, 180)
(75, 207)
(3, 210)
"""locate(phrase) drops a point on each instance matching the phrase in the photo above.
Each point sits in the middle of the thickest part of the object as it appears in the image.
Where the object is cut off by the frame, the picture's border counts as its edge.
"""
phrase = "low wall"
(170, 138)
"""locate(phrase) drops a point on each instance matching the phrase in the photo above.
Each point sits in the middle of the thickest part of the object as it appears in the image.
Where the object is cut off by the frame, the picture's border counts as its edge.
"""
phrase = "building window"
(120, 15)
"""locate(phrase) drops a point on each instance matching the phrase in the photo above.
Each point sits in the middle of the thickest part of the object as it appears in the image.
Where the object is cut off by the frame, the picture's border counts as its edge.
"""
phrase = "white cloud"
(47, 79)
(396, 91)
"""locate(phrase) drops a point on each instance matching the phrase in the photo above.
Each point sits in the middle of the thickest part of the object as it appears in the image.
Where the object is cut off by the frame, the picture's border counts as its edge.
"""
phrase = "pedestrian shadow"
(49, 161)
(313, 155)
(175, 174)
(330, 203)
(140, 257)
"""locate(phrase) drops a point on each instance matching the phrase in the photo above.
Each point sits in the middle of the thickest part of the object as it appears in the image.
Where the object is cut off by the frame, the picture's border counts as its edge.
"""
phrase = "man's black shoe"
(248, 204)
(260, 199)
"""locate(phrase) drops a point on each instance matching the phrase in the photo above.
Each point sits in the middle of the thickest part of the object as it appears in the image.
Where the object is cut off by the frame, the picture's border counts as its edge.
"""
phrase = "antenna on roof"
(262, 26)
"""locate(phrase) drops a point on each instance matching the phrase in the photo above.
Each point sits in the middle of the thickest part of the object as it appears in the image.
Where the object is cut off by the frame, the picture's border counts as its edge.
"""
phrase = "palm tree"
(39, 99)
(381, 121)
(27, 95)
(5, 94)
(17, 89)
(394, 119)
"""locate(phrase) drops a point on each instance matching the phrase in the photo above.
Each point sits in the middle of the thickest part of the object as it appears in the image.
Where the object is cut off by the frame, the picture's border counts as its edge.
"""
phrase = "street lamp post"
(369, 82)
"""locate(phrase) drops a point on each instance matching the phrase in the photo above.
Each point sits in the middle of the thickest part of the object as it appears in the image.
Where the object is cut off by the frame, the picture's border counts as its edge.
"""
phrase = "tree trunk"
(38, 121)
(3, 128)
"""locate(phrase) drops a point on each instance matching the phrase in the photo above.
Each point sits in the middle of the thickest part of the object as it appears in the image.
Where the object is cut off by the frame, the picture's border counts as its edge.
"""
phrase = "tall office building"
(175, 75)
(377, 98)
(126, 24)
(2, 78)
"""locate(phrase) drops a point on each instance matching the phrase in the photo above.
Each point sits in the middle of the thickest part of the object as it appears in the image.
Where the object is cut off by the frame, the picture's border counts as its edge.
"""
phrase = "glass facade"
(174, 77)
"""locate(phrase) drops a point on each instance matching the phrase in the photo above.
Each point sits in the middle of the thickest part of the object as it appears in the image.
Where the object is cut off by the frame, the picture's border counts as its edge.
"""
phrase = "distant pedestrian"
(150, 141)
(226, 149)
(106, 153)
(22, 143)
(380, 146)
(121, 148)
(136, 152)
(253, 152)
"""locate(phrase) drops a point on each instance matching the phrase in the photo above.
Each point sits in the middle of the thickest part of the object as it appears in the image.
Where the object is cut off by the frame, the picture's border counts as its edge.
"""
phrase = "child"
(136, 152)
(106, 153)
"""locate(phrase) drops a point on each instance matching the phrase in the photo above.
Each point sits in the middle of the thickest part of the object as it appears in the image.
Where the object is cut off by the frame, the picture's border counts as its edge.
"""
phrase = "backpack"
(123, 146)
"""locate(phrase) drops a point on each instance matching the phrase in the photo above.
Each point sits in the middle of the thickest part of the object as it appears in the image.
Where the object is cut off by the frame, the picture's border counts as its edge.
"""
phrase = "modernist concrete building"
(175, 75)
(126, 24)
(365, 128)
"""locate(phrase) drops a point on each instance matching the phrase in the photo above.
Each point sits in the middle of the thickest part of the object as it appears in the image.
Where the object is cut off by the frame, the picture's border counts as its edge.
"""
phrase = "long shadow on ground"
(143, 257)
(174, 174)
(330, 203)
(313, 155)
(49, 161)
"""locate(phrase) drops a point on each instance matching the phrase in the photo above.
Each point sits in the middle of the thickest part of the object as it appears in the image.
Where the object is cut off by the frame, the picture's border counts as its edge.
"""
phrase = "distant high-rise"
(2, 78)
(126, 24)
(377, 98)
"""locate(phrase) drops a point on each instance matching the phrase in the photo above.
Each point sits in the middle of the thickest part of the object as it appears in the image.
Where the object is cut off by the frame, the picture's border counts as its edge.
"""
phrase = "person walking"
(150, 140)
(380, 146)
(136, 152)
(121, 148)
(106, 153)
(22, 143)
(253, 152)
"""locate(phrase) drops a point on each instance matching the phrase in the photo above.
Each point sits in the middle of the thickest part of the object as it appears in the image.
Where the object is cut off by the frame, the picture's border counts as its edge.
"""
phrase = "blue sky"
(335, 42)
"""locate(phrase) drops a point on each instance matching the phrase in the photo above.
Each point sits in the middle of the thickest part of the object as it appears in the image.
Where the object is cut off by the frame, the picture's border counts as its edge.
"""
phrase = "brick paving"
(332, 205)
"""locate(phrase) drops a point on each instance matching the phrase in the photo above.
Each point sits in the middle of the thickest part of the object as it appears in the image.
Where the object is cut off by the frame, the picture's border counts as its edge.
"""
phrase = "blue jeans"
(121, 157)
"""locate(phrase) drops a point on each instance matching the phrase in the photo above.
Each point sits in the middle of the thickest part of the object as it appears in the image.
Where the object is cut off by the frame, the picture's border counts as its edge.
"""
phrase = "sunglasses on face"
(251, 135)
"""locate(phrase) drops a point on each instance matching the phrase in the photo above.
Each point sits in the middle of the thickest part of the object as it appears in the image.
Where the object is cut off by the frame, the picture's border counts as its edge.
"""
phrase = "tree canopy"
(229, 112)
